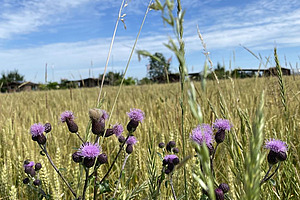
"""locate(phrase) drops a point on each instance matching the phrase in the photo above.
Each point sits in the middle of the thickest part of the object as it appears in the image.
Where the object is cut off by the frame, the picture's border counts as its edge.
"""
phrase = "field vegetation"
(162, 123)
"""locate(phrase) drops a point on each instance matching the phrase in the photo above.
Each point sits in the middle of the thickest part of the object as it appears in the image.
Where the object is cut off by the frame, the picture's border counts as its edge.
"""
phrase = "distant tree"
(11, 76)
(145, 81)
(220, 72)
(158, 67)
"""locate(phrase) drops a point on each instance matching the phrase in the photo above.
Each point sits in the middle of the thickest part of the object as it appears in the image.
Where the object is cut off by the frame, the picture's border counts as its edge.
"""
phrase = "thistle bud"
(132, 125)
(77, 157)
(167, 171)
(129, 148)
(47, 127)
(109, 132)
(88, 162)
(121, 139)
(30, 171)
(175, 150)
(72, 126)
(175, 161)
(34, 137)
(171, 166)
(161, 145)
(41, 139)
(219, 194)
(281, 156)
(102, 159)
(37, 182)
(224, 187)
(172, 144)
(272, 158)
(98, 127)
(38, 166)
(220, 136)
(26, 180)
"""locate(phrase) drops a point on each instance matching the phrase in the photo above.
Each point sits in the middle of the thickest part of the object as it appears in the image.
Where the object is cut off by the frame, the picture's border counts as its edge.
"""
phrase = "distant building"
(88, 82)
(18, 86)
(272, 71)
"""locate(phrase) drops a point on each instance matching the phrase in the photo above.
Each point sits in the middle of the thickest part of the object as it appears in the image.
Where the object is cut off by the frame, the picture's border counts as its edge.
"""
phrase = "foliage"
(11, 76)
(159, 67)
(8, 77)
(161, 123)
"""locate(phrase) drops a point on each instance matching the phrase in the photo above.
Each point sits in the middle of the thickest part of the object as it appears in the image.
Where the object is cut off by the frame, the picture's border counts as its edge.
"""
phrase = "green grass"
(162, 123)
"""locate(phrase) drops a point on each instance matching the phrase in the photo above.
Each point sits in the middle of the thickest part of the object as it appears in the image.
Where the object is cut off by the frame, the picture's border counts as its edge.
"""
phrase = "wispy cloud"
(22, 17)
(258, 25)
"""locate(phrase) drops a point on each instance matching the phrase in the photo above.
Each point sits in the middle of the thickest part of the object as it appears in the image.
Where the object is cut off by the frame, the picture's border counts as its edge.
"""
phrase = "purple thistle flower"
(170, 158)
(104, 115)
(118, 129)
(37, 129)
(131, 140)
(89, 150)
(223, 124)
(136, 114)
(276, 145)
(67, 115)
(28, 164)
(202, 134)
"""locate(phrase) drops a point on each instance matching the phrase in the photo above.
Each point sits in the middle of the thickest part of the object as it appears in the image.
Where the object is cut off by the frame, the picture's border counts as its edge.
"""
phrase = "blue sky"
(70, 35)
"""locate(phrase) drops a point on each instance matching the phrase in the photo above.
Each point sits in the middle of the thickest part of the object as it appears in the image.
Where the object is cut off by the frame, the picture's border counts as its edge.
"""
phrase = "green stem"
(120, 176)
(172, 187)
(85, 183)
(55, 168)
(111, 166)
(265, 179)
(182, 78)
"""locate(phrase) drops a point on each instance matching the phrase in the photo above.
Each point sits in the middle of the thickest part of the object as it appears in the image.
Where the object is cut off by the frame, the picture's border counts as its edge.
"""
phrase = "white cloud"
(22, 17)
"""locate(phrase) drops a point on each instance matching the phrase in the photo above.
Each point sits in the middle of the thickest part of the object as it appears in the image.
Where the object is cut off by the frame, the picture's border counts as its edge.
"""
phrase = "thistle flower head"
(202, 134)
(222, 124)
(136, 114)
(276, 145)
(118, 129)
(170, 158)
(28, 164)
(37, 129)
(67, 115)
(89, 150)
(131, 140)
(104, 115)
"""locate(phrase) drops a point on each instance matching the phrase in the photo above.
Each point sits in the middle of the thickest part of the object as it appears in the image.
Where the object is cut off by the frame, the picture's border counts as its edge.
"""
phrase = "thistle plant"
(277, 154)
(169, 163)
(89, 155)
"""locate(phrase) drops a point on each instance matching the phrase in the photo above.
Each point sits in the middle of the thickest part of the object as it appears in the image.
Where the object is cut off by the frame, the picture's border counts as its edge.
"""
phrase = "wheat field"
(162, 123)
